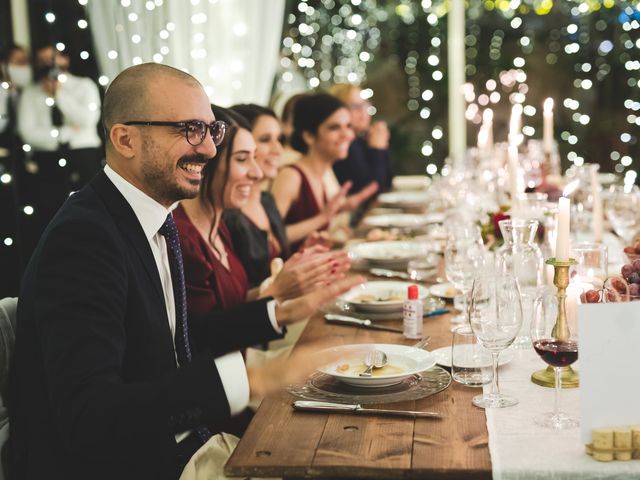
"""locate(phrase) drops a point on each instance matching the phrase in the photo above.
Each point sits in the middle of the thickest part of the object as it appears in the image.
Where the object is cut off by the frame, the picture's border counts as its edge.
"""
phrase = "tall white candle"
(514, 173)
(547, 125)
(483, 140)
(598, 219)
(487, 123)
(456, 67)
(515, 125)
(562, 231)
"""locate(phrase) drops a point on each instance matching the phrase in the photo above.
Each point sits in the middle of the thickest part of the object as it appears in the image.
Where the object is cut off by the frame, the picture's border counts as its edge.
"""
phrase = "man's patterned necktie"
(170, 232)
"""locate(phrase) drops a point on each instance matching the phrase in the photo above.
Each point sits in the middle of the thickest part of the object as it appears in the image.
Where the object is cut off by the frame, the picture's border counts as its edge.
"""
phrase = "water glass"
(623, 211)
(463, 258)
(529, 206)
(423, 269)
(470, 361)
(495, 315)
(592, 264)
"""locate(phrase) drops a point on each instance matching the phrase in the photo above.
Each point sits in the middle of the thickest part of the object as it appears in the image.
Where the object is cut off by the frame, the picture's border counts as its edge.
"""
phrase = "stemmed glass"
(555, 351)
(623, 210)
(496, 316)
(463, 257)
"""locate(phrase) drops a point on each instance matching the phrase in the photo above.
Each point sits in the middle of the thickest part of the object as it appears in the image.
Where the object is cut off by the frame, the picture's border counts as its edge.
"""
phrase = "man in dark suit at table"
(108, 380)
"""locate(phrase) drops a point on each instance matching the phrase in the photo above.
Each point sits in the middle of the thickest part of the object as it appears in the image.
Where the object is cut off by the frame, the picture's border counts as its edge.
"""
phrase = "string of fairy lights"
(333, 41)
(339, 40)
(595, 40)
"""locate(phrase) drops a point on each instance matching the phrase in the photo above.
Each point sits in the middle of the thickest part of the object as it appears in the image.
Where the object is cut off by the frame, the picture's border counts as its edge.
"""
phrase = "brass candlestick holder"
(546, 377)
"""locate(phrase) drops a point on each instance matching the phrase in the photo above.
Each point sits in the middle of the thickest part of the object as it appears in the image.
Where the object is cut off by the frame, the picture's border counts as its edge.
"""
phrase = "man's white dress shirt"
(151, 216)
(77, 98)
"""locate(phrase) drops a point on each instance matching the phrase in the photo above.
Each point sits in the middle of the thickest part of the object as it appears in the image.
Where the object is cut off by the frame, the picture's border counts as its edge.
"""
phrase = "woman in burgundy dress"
(322, 133)
(214, 276)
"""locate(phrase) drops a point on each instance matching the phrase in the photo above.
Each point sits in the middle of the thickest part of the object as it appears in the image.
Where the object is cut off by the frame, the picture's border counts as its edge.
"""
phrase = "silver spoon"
(374, 359)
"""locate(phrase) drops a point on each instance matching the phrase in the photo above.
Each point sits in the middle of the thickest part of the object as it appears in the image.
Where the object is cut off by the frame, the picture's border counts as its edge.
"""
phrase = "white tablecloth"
(521, 450)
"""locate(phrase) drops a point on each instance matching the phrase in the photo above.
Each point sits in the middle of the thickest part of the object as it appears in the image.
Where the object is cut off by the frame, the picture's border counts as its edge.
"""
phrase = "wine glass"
(558, 348)
(623, 210)
(495, 315)
(462, 259)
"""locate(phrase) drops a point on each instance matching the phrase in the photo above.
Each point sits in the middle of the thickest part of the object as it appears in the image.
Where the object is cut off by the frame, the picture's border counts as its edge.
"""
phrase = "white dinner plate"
(380, 297)
(402, 362)
(411, 182)
(607, 179)
(444, 290)
(443, 357)
(388, 254)
(403, 220)
(406, 199)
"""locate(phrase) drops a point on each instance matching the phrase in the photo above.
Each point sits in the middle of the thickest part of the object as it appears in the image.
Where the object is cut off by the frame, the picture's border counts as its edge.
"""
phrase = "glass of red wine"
(555, 351)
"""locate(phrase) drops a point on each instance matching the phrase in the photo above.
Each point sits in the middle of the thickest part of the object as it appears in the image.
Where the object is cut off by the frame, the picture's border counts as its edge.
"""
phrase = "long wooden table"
(283, 443)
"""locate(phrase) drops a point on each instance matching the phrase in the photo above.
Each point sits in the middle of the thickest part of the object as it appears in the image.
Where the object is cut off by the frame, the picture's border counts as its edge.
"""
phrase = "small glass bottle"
(412, 314)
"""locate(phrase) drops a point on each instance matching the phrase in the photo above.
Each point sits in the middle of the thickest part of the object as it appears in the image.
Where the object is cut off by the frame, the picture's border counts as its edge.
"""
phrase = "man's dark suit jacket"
(95, 389)
(364, 165)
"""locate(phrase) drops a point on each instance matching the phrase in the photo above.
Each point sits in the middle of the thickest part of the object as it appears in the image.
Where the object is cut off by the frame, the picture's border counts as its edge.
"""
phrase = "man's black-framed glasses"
(194, 130)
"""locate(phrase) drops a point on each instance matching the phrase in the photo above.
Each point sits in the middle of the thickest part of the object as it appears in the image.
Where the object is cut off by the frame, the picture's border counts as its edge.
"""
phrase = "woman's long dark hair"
(251, 112)
(308, 114)
(207, 194)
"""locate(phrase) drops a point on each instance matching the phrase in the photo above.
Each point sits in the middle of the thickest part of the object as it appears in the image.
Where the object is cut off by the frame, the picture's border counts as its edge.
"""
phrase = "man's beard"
(162, 178)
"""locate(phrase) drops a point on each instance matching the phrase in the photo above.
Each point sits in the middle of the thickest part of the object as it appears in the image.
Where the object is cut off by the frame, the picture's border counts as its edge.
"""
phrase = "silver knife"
(366, 323)
(310, 406)
(385, 272)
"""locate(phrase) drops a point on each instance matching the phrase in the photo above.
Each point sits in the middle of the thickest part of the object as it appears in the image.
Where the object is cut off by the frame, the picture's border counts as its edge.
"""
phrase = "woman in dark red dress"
(214, 276)
(322, 133)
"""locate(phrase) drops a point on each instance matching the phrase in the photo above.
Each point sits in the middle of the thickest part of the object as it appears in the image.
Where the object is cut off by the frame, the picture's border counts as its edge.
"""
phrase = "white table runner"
(520, 450)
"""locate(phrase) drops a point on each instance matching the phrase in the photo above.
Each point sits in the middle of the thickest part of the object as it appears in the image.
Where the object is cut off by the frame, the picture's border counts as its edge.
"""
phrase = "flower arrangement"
(491, 234)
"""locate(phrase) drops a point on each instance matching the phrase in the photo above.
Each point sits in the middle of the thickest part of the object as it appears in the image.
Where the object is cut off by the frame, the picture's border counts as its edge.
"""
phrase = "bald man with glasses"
(111, 379)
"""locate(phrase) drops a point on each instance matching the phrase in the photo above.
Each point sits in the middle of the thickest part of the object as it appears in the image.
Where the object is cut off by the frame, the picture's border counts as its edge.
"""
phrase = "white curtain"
(230, 46)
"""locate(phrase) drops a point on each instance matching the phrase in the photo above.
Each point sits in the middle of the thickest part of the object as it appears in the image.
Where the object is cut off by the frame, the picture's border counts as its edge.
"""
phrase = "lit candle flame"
(515, 124)
(487, 116)
(483, 137)
(570, 188)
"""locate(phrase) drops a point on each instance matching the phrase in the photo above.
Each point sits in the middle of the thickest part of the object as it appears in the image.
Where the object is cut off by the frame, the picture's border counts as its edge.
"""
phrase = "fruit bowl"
(615, 289)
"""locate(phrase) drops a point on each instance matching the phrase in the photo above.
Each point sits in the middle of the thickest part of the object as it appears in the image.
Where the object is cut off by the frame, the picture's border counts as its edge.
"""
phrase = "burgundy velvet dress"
(304, 207)
(210, 286)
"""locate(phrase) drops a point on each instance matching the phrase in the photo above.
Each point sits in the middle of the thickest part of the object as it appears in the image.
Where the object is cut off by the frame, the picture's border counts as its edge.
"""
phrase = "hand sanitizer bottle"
(412, 314)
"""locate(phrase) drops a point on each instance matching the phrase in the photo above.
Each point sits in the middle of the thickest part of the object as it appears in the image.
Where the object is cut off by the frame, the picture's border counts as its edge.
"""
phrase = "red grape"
(617, 289)
(619, 284)
(634, 278)
(636, 265)
(592, 296)
(634, 289)
(627, 270)
(613, 296)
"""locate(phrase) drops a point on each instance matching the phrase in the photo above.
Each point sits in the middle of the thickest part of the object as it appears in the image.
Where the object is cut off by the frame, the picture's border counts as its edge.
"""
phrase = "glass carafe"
(580, 191)
(521, 257)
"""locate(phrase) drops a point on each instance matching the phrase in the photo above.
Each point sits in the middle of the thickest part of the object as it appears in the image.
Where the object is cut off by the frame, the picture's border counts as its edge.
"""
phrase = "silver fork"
(422, 343)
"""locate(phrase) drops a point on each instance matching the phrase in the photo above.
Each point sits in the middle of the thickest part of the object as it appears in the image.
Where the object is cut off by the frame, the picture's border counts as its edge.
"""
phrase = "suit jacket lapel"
(129, 226)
